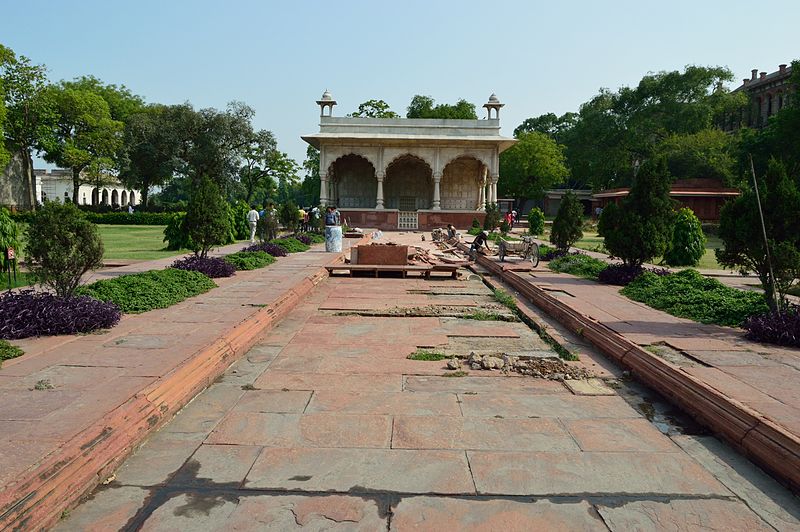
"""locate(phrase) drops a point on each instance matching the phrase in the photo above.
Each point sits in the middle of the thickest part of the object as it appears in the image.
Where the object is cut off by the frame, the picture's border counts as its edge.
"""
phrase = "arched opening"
(124, 198)
(355, 185)
(115, 198)
(409, 184)
(132, 199)
(105, 197)
(460, 188)
(95, 196)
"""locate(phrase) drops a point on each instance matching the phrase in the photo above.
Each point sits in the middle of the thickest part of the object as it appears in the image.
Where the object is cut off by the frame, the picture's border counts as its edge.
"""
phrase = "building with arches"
(404, 173)
(56, 185)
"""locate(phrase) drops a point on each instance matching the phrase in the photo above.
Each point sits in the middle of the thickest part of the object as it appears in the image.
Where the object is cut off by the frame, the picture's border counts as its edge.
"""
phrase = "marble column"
(437, 203)
(493, 192)
(323, 189)
(482, 195)
(379, 199)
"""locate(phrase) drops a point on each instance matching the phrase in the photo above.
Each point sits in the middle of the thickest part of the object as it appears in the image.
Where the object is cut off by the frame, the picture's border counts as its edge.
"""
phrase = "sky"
(279, 56)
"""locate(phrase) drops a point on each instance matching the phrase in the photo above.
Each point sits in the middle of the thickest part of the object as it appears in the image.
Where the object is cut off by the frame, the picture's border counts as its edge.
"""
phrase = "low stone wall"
(387, 220)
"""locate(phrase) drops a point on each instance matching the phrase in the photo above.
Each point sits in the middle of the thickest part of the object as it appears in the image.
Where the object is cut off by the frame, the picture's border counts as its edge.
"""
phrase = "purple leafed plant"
(272, 249)
(211, 266)
(29, 313)
(622, 275)
(305, 239)
(554, 253)
(781, 327)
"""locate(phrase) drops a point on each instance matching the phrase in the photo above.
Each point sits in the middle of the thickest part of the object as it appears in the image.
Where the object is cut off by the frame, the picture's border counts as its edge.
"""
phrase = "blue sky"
(279, 56)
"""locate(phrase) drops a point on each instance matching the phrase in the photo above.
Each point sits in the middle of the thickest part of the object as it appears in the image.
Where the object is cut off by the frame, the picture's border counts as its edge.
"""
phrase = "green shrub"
(291, 245)
(288, 215)
(536, 221)
(476, 223)
(140, 292)
(207, 222)
(688, 243)
(568, 222)
(578, 264)
(240, 227)
(316, 238)
(687, 294)
(492, 219)
(175, 234)
(639, 228)
(123, 218)
(429, 356)
(249, 260)
(474, 230)
(8, 351)
(62, 246)
(504, 227)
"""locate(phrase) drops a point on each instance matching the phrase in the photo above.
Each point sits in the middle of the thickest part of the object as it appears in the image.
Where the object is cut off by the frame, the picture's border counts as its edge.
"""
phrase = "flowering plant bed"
(213, 267)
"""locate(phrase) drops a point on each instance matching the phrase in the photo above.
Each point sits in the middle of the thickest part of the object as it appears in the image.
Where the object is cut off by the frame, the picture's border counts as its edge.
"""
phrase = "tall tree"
(709, 153)
(84, 132)
(311, 180)
(532, 165)
(28, 116)
(423, 107)
(374, 109)
(257, 157)
(551, 125)
(153, 140)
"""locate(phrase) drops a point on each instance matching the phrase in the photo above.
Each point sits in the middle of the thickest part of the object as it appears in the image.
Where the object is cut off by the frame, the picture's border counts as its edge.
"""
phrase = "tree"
(62, 245)
(536, 221)
(152, 145)
(639, 228)
(551, 125)
(28, 116)
(709, 153)
(532, 165)
(122, 103)
(374, 109)
(206, 223)
(567, 226)
(84, 132)
(743, 240)
(310, 186)
(423, 107)
(258, 157)
(288, 215)
(688, 243)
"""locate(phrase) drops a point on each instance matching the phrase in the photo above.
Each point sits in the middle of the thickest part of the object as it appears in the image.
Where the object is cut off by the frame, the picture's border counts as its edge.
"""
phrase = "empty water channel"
(347, 415)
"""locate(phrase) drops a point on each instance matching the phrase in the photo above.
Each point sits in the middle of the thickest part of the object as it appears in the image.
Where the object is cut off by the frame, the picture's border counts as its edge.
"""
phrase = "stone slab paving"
(403, 447)
(88, 377)
(766, 378)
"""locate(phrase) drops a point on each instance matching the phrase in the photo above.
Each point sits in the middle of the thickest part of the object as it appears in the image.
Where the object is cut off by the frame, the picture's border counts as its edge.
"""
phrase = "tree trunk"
(144, 194)
(28, 177)
(76, 184)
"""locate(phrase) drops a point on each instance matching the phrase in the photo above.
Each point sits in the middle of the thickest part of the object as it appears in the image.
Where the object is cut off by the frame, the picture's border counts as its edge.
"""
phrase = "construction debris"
(543, 368)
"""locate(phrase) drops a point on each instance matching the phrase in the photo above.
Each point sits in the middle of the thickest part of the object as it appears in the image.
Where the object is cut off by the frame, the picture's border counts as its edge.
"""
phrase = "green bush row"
(578, 264)
(249, 260)
(291, 245)
(8, 351)
(687, 294)
(145, 291)
(112, 218)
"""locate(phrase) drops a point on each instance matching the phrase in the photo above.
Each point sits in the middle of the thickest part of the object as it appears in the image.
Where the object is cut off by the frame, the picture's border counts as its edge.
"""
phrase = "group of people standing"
(306, 220)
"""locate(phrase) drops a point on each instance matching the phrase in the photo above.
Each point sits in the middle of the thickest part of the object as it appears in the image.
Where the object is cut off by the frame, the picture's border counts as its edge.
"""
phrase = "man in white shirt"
(252, 218)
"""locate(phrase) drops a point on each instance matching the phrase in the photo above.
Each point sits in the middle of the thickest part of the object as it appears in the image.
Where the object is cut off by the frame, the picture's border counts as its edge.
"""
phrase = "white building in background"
(56, 185)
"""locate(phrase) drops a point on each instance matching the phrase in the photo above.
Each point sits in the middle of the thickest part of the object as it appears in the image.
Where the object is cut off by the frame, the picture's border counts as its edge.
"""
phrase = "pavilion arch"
(105, 197)
(353, 182)
(132, 198)
(114, 197)
(124, 199)
(462, 179)
(409, 183)
(95, 196)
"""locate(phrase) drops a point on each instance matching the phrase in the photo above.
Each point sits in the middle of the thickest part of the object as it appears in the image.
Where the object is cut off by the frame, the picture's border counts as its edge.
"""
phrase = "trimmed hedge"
(623, 275)
(140, 292)
(213, 267)
(29, 313)
(249, 260)
(687, 294)
(114, 218)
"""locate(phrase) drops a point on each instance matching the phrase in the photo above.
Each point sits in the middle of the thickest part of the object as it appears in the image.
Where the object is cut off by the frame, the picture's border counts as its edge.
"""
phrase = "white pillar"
(493, 189)
(482, 195)
(437, 203)
(323, 189)
(379, 199)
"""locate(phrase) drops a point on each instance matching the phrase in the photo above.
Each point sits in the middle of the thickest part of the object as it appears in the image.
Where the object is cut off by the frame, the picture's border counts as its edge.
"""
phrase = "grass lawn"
(138, 242)
(23, 279)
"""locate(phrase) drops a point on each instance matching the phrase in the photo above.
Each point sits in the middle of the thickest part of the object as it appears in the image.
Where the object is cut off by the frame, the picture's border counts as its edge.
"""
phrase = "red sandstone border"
(765, 442)
(37, 498)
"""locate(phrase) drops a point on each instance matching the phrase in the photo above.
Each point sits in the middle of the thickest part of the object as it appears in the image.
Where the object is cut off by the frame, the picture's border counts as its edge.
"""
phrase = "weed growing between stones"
(506, 299)
(459, 373)
(8, 351)
(43, 384)
(424, 354)
(487, 315)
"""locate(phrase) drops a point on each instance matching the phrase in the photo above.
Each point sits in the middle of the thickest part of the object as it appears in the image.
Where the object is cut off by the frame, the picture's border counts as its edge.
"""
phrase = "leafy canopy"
(423, 107)
(534, 164)
(374, 109)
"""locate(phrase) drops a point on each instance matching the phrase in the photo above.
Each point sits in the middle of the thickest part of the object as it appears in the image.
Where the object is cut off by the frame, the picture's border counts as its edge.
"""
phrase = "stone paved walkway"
(327, 425)
(87, 377)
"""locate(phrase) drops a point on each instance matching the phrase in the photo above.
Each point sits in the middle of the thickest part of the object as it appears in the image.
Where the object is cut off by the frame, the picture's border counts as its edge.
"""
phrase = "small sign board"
(11, 254)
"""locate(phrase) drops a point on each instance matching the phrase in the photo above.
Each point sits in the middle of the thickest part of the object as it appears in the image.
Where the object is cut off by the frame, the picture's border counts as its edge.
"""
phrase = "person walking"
(252, 219)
